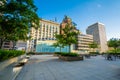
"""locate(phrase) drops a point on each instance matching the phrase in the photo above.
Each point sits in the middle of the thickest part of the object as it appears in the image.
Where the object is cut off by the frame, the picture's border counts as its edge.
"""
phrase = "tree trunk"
(60, 49)
(14, 44)
(1, 42)
(69, 48)
(115, 50)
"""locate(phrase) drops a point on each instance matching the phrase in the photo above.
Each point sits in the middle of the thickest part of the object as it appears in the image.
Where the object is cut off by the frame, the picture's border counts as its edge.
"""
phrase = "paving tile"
(48, 67)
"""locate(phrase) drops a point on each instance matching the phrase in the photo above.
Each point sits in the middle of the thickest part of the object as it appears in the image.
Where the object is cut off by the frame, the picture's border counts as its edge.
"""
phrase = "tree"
(16, 18)
(93, 45)
(58, 45)
(68, 37)
(115, 43)
(60, 41)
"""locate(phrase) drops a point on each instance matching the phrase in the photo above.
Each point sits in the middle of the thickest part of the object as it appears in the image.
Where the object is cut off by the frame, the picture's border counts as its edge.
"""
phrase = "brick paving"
(48, 67)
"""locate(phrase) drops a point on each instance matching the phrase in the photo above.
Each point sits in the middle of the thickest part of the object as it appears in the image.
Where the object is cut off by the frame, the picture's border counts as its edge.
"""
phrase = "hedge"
(31, 53)
(114, 53)
(67, 54)
(94, 52)
(7, 54)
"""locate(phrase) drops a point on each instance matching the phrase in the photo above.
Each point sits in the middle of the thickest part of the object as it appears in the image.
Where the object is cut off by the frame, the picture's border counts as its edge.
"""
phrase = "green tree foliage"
(16, 18)
(93, 45)
(60, 41)
(58, 45)
(115, 43)
(68, 37)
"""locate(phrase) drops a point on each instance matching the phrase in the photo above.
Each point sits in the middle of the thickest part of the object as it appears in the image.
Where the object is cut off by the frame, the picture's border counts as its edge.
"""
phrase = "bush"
(57, 53)
(114, 53)
(31, 53)
(7, 54)
(94, 52)
(69, 54)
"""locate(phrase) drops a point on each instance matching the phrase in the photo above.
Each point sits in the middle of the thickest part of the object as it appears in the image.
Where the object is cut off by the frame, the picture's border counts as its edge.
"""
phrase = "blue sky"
(83, 13)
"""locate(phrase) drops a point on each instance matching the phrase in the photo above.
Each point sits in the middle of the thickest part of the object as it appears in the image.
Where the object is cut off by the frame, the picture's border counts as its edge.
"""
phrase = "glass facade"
(47, 47)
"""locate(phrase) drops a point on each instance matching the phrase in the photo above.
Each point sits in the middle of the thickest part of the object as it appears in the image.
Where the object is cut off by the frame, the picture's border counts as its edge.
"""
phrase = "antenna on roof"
(55, 19)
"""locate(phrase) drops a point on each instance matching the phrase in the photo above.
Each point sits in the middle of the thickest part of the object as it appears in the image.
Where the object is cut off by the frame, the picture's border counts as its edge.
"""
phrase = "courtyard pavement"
(48, 67)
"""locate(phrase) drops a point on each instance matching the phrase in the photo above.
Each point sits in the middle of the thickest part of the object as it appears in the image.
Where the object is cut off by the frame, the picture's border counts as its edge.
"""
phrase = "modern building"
(44, 37)
(46, 30)
(7, 45)
(83, 43)
(99, 35)
(46, 46)
(19, 45)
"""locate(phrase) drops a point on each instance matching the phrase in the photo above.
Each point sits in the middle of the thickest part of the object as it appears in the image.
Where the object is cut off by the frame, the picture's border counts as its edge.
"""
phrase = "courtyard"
(48, 67)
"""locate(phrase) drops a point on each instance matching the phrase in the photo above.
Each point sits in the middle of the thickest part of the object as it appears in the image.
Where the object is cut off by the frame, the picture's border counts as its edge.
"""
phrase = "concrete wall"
(6, 63)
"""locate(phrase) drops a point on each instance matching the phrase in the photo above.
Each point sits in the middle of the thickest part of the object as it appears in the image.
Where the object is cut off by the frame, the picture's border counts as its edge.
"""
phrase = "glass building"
(46, 46)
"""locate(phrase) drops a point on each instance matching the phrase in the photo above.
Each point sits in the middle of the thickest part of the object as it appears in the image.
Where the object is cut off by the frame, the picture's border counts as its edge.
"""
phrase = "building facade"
(46, 47)
(19, 45)
(83, 43)
(44, 37)
(99, 35)
(46, 30)
(7, 45)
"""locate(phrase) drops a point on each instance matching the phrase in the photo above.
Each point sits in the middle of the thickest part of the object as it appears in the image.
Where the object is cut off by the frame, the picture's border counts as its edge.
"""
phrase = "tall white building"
(46, 30)
(99, 35)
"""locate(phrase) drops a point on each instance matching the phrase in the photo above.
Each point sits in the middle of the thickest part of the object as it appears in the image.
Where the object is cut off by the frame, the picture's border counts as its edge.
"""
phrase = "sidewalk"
(47, 67)
(9, 73)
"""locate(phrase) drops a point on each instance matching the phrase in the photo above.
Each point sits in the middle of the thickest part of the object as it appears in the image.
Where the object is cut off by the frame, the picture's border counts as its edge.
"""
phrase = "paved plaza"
(48, 67)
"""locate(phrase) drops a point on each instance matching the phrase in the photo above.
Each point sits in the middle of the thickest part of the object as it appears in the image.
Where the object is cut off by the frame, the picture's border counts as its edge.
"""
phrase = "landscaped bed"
(69, 56)
(7, 54)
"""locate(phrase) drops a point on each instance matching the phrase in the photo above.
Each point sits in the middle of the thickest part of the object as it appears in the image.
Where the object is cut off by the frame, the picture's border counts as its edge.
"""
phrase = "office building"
(7, 45)
(99, 35)
(83, 43)
(44, 37)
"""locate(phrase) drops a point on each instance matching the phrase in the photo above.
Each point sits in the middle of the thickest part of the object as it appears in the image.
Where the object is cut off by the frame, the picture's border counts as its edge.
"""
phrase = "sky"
(83, 13)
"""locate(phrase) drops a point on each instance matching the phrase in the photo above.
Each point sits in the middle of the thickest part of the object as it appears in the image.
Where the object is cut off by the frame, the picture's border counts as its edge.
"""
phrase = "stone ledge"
(10, 61)
(21, 63)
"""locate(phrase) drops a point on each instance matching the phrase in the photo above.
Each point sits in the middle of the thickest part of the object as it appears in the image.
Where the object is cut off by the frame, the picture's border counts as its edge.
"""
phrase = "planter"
(56, 55)
(68, 58)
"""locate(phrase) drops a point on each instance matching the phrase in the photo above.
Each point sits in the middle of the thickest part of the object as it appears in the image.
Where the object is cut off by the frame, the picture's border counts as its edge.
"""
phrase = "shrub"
(7, 54)
(114, 53)
(69, 54)
(94, 52)
(31, 53)
(57, 53)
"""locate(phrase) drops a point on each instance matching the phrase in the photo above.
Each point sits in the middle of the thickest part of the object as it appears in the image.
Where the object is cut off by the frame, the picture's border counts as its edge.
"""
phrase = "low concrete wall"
(10, 61)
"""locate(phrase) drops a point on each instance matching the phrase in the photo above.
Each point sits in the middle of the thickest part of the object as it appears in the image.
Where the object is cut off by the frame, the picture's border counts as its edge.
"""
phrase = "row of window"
(47, 39)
